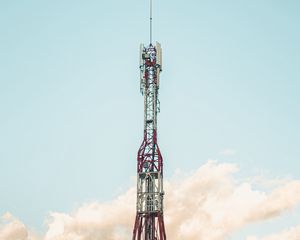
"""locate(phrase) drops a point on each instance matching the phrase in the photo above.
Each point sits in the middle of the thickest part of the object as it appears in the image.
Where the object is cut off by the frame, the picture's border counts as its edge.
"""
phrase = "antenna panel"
(142, 69)
(159, 55)
(141, 54)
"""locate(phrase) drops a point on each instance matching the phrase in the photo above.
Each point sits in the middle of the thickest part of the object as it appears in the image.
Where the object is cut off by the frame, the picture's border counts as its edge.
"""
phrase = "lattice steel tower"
(149, 222)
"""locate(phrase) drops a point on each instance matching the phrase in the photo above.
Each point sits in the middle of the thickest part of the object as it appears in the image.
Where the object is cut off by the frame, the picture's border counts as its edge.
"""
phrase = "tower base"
(149, 226)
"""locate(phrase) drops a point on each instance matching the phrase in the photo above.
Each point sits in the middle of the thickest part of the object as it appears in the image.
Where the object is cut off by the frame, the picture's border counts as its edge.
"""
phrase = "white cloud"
(111, 221)
(289, 234)
(206, 204)
(13, 229)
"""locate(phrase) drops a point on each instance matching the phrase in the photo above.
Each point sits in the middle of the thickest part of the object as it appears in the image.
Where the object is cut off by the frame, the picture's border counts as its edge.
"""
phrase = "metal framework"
(149, 222)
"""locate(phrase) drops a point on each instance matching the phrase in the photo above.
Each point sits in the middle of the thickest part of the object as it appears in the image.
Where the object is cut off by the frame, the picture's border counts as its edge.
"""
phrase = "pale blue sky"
(71, 112)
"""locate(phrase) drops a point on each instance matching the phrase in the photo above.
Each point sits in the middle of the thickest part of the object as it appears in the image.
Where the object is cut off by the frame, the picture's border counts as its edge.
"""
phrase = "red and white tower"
(149, 222)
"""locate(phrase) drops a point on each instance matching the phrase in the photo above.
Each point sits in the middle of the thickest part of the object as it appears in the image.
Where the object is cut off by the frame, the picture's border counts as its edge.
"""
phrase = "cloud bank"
(206, 204)
(290, 234)
(13, 229)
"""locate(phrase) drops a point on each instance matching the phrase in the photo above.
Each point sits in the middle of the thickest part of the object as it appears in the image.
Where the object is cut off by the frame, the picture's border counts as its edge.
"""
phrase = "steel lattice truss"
(149, 222)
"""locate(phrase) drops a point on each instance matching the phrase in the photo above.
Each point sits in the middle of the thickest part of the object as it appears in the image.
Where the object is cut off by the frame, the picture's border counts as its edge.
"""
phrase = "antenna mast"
(150, 22)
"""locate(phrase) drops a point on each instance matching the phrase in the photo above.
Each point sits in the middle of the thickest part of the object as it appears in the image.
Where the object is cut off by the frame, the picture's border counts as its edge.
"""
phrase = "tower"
(149, 221)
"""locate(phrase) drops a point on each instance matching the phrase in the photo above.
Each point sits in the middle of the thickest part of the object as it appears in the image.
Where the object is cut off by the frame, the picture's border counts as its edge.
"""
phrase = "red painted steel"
(149, 221)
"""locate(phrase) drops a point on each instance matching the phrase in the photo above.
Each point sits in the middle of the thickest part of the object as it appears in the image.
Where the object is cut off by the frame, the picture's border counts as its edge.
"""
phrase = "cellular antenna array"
(149, 221)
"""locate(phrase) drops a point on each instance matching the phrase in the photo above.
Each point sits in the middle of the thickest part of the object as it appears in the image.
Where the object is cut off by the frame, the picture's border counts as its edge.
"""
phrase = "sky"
(71, 114)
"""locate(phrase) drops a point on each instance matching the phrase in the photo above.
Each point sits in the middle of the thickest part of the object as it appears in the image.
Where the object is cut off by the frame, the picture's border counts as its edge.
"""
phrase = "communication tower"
(149, 221)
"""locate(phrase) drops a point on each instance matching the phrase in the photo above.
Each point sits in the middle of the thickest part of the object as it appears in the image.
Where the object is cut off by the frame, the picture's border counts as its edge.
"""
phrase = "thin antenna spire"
(151, 22)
